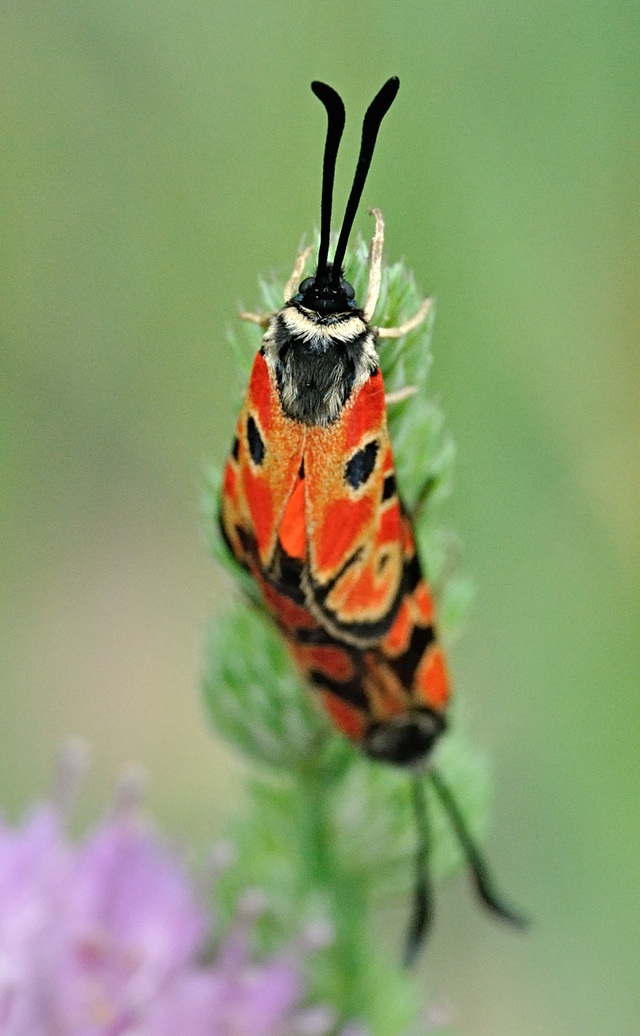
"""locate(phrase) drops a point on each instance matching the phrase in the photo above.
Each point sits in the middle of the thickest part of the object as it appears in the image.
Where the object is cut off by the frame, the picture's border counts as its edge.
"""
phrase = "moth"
(310, 507)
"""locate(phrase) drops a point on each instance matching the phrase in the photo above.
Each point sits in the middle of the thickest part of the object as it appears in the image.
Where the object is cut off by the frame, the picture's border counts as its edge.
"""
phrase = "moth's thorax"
(318, 360)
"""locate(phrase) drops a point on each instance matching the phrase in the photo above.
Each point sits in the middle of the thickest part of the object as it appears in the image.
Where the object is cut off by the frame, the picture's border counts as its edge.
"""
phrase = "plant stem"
(346, 898)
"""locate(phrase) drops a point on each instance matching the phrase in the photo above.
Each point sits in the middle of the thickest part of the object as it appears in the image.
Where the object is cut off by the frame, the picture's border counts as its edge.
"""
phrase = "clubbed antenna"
(336, 116)
(373, 117)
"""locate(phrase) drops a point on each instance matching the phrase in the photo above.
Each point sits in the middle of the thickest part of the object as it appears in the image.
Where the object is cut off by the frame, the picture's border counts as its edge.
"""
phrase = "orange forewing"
(261, 473)
(354, 552)
(405, 671)
(298, 497)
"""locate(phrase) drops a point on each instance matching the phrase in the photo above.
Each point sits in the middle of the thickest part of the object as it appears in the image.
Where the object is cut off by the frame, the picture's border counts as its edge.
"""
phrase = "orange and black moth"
(310, 508)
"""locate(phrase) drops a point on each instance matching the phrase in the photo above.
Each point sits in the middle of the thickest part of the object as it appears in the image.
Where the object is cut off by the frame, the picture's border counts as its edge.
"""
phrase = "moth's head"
(323, 296)
(327, 291)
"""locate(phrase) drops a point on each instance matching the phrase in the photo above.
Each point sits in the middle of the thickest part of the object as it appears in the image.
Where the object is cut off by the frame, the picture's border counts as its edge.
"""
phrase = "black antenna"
(335, 114)
(373, 117)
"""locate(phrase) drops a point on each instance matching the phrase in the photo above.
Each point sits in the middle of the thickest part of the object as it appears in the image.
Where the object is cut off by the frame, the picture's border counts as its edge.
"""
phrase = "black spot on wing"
(254, 441)
(315, 635)
(389, 487)
(289, 577)
(412, 574)
(246, 540)
(235, 449)
(350, 691)
(383, 561)
(405, 666)
(359, 468)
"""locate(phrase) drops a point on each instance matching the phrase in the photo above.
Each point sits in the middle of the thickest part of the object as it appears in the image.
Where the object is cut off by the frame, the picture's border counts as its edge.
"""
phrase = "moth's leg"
(296, 274)
(373, 289)
(482, 879)
(399, 396)
(397, 332)
(261, 319)
(409, 325)
(375, 265)
(423, 499)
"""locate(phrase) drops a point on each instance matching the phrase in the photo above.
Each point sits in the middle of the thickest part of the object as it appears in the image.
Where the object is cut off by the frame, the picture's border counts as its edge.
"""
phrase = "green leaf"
(255, 698)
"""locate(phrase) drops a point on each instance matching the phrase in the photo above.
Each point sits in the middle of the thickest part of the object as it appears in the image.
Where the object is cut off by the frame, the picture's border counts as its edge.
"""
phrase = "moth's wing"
(354, 563)
(261, 472)
(393, 689)
(411, 649)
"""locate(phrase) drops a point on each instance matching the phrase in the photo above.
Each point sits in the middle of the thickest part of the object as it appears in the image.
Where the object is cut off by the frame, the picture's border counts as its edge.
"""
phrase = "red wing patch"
(261, 472)
(354, 555)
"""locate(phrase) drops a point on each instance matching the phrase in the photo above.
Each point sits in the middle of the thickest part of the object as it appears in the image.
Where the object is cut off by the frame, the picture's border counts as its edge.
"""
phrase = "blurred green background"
(156, 158)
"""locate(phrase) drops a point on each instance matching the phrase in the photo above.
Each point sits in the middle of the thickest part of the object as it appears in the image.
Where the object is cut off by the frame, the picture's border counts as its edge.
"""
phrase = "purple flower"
(108, 938)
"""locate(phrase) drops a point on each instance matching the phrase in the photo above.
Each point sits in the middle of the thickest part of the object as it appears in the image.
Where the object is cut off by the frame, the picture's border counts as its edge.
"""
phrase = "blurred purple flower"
(107, 938)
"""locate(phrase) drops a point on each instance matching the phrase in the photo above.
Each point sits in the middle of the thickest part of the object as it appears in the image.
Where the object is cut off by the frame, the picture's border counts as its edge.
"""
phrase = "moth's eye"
(307, 283)
(347, 289)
